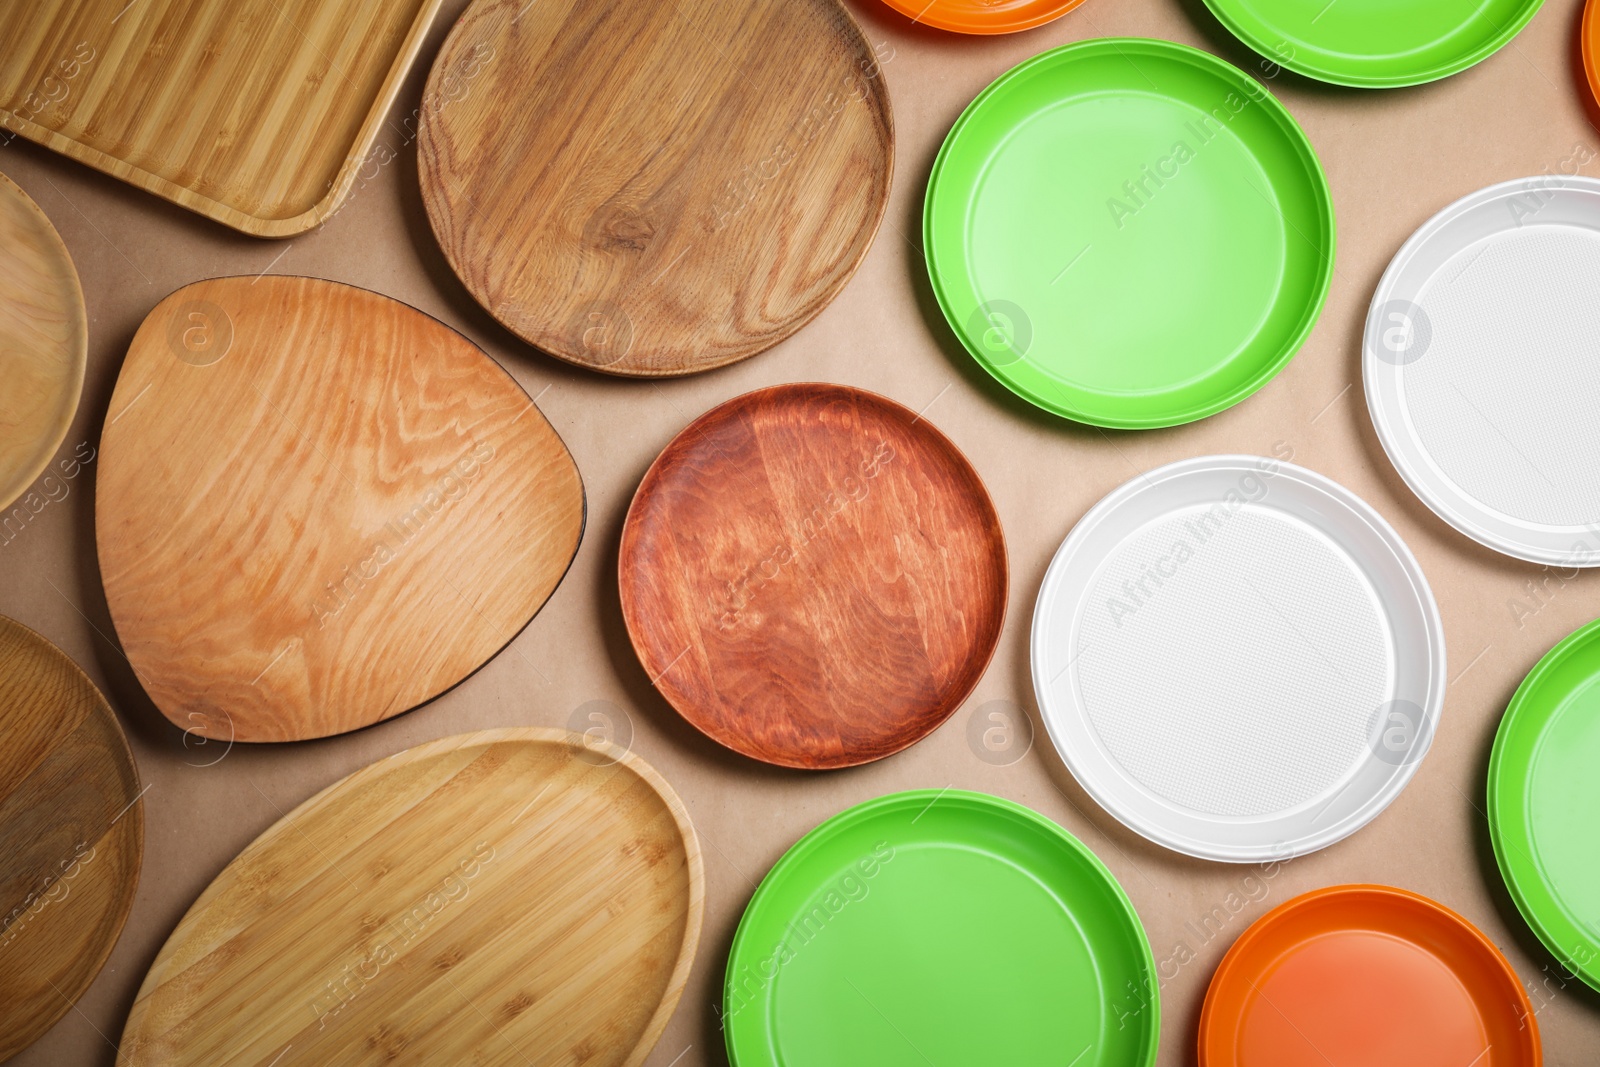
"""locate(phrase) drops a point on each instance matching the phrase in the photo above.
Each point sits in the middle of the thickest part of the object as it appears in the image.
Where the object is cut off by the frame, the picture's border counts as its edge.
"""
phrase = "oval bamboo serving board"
(260, 114)
(318, 507)
(656, 189)
(813, 575)
(44, 343)
(71, 834)
(505, 897)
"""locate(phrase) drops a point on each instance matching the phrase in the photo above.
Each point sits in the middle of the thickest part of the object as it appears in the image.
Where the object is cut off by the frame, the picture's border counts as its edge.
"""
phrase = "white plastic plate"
(1238, 658)
(1482, 367)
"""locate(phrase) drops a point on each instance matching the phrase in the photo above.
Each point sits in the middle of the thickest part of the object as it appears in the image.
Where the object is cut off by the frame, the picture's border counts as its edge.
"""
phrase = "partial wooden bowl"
(505, 897)
(71, 834)
(318, 508)
(44, 344)
(655, 189)
(813, 576)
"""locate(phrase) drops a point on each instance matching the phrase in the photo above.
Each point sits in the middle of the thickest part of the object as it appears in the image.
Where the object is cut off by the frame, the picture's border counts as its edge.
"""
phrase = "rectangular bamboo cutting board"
(255, 113)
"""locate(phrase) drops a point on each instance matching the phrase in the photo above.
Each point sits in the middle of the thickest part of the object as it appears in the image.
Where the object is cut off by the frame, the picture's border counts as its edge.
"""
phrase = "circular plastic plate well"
(983, 16)
(940, 926)
(1369, 975)
(1375, 43)
(1543, 795)
(1480, 369)
(1238, 658)
(1129, 232)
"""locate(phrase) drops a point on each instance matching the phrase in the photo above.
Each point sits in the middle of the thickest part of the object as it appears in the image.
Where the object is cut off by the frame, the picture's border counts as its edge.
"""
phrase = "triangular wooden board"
(504, 897)
(318, 508)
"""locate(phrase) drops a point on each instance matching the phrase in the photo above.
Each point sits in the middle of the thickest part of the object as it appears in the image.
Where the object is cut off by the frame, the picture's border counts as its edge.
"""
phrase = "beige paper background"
(1394, 158)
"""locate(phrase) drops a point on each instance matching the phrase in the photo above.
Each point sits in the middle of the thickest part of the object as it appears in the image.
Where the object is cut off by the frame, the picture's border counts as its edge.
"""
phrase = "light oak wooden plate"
(656, 189)
(813, 575)
(512, 896)
(318, 508)
(44, 341)
(71, 834)
(256, 113)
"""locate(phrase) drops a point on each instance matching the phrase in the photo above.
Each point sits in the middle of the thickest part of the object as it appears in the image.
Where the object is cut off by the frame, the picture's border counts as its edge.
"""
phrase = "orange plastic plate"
(1589, 44)
(1366, 976)
(983, 16)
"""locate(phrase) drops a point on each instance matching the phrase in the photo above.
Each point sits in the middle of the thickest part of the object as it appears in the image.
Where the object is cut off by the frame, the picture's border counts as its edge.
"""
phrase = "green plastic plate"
(946, 927)
(1129, 233)
(1375, 43)
(1544, 801)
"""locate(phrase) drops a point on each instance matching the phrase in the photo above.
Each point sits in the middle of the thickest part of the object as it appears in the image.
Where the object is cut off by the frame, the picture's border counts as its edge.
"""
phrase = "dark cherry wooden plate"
(813, 575)
(653, 189)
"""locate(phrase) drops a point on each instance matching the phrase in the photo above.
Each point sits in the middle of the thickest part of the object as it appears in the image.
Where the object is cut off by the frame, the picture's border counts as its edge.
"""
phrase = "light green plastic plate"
(1375, 43)
(940, 927)
(1544, 801)
(1129, 233)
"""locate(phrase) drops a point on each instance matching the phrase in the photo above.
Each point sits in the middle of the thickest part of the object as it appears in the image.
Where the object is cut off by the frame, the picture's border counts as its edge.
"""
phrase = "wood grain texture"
(318, 507)
(813, 575)
(255, 113)
(656, 189)
(44, 342)
(508, 897)
(71, 834)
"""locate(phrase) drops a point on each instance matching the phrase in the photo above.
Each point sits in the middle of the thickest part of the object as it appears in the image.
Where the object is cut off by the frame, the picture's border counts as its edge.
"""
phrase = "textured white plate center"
(1481, 359)
(1513, 371)
(1238, 658)
(1246, 680)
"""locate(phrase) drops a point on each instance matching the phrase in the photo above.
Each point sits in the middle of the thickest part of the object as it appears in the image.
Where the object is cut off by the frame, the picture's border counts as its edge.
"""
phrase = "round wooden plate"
(655, 189)
(500, 898)
(44, 341)
(813, 575)
(71, 834)
(318, 507)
